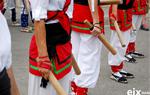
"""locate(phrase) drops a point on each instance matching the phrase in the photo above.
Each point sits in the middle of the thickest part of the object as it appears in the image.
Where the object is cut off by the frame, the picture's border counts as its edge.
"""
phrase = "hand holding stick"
(52, 79)
(54, 82)
(40, 36)
(102, 38)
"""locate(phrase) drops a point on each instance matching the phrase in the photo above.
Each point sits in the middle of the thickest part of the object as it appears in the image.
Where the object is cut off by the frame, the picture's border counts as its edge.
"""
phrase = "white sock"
(117, 74)
(123, 71)
(129, 55)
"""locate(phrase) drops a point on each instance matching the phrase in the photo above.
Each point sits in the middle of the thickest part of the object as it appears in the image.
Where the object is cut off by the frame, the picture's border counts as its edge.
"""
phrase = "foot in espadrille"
(120, 79)
(127, 75)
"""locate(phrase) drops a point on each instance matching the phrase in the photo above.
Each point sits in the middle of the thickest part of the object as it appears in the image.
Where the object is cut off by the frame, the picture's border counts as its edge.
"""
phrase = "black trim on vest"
(125, 6)
(82, 2)
(56, 35)
(4, 83)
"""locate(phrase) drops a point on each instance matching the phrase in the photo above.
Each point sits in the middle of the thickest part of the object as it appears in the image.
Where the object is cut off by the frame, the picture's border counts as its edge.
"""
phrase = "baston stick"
(102, 38)
(56, 84)
(119, 33)
(75, 66)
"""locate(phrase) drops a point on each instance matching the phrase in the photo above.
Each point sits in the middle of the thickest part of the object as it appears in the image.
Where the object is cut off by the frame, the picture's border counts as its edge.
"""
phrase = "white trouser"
(35, 89)
(136, 21)
(114, 40)
(11, 4)
(5, 44)
(87, 52)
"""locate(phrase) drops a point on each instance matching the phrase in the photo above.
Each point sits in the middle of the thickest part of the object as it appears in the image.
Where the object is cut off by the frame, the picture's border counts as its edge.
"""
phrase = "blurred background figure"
(144, 25)
(8, 84)
(25, 17)
(11, 4)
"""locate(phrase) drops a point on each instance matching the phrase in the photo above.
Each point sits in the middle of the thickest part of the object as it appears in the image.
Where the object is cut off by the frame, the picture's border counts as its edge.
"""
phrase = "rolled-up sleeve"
(70, 9)
(39, 9)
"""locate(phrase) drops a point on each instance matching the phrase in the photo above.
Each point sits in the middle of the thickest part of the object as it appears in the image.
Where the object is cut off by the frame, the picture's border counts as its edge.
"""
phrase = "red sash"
(61, 16)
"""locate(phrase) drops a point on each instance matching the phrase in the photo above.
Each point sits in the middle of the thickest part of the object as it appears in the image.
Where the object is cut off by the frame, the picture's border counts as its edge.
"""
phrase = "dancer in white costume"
(139, 10)
(55, 12)
(86, 47)
(7, 81)
(123, 14)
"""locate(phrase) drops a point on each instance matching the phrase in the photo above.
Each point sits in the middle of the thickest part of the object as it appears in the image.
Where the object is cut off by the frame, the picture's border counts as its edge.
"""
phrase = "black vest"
(125, 6)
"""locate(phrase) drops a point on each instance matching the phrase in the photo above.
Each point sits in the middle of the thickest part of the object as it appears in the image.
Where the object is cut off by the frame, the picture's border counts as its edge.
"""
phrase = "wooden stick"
(102, 38)
(119, 33)
(108, 2)
(56, 84)
(76, 67)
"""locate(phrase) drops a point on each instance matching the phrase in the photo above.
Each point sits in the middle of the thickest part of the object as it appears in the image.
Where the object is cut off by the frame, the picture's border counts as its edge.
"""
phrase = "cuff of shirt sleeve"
(39, 13)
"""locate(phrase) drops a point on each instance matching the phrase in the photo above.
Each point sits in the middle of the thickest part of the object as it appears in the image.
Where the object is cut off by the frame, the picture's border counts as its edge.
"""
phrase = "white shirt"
(40, 7)
(5, 44)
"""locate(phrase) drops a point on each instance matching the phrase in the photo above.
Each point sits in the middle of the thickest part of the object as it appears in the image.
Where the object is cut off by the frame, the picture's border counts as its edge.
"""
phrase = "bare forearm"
(40, 35)
(114, 11)
(94, 11)
(14, 88)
